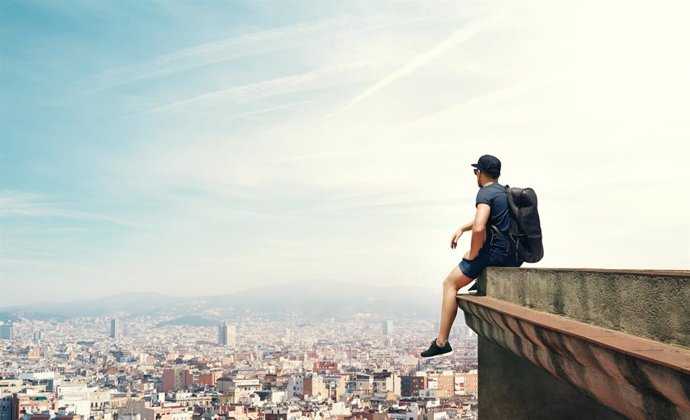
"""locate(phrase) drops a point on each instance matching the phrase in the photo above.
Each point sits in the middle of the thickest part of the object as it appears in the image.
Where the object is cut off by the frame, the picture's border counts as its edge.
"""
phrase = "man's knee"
(456, 280)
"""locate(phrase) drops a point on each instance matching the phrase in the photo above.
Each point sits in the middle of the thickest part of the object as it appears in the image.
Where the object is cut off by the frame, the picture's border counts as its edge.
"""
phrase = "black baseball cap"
(489, 164)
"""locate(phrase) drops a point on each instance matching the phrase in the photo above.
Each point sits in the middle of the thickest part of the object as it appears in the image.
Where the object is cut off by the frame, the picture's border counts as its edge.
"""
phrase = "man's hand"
(454, 240)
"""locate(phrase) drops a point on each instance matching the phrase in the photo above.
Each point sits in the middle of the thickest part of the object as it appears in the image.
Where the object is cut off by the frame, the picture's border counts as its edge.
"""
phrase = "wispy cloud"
(214, 52)
(251, 44)
(314, 79)
(28, 204)
(455, 39)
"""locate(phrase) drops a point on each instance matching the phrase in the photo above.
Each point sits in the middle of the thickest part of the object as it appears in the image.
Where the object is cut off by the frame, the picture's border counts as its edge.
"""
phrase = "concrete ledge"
(637, 377)
(651, 304)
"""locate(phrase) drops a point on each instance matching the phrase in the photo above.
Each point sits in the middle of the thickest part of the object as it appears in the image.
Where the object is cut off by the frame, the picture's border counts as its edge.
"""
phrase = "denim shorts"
(485, 258)
(493, 254)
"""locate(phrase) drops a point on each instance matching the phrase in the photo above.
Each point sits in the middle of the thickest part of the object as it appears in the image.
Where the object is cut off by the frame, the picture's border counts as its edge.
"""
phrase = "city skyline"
(194, 151)
(76, 370)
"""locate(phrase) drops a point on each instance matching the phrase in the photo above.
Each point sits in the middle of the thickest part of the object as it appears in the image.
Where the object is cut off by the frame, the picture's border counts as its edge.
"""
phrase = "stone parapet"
(651, 304)
(560, 322)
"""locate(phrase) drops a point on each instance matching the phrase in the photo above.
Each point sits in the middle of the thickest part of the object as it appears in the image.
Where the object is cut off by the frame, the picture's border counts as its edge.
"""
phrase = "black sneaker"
(436, 350)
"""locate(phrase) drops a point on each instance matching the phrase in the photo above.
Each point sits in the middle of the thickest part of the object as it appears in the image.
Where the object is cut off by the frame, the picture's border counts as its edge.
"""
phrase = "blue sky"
(206, 147)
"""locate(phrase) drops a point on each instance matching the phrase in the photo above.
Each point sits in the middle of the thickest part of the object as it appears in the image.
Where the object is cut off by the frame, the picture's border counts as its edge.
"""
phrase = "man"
(489, 246)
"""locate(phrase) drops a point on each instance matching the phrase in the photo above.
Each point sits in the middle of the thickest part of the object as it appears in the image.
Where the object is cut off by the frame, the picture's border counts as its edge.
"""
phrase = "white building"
(227, 335)
(295, 387)
(387, 382)
(74, 398)
(237, 389)
(364, 384)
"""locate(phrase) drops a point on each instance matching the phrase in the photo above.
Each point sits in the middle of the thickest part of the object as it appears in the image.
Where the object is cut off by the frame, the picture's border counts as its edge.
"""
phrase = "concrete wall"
(653, 305)
(582, 344)
(512, 388)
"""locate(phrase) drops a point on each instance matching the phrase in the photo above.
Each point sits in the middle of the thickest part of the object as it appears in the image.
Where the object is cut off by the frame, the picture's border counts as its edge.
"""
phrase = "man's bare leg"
(449, 306)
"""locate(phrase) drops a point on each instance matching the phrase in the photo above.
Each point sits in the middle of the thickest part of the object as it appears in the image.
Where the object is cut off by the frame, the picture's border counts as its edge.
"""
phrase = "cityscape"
(162, 368)
(260, 210)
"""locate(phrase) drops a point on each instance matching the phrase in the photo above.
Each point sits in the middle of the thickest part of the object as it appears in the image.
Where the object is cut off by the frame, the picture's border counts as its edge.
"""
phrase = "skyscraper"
(227, 335)
(387, 327)
(7, 331)
(115, 329)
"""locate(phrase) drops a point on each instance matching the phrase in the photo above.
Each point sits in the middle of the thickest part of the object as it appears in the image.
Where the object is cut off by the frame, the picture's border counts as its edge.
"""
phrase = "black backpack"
(525, 229)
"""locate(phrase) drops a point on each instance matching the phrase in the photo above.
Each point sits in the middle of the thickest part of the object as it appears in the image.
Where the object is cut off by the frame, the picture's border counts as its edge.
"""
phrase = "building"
(335, 383)
(167, 412)
(227, 335)
(115, 329)
(386, 382)
(7, 331)
(411, 385)
(188, 399)
(7, 388)
(295, 387)
(6, 406)
(315, 387)
(100, 403)
(445, 386)
(470, 382)
(31, 352)
(272, 396)
(325, 366)
(190, 378)
(35, 403)
(237, 389)
(209, 378)
(387, 328)
(364, 384)
(174, 379)
(410, 412)
(74, 398)
(38, 379)
(282, 413)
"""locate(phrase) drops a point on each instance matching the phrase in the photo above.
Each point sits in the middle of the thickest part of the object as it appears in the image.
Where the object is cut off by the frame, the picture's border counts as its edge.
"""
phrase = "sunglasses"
(476, 171)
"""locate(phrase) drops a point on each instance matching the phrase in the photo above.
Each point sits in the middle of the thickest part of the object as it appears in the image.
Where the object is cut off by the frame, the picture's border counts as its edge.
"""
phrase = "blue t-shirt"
(495, 196)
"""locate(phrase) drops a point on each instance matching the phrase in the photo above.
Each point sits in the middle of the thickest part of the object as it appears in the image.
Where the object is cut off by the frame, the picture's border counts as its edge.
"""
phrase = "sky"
(201, 148)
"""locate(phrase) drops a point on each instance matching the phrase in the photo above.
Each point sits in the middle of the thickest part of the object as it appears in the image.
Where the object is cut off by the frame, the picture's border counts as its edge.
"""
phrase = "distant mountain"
(308, 300)
(330, 300)
(11, 317)
(133, 303)
(190, 321)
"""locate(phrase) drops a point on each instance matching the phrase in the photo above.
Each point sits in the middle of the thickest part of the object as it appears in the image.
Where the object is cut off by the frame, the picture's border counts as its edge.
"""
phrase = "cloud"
(29, 204)
(315, 79)
(251, 44)
(214, 52)
(456, 38)
(581, 116)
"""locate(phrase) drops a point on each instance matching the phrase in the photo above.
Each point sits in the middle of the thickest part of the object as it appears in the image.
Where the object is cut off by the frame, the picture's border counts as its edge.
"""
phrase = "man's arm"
(478, 230)
(458, 233)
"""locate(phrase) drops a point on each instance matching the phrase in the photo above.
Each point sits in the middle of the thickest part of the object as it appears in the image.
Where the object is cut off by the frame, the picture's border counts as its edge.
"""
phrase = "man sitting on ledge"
(489, 246)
